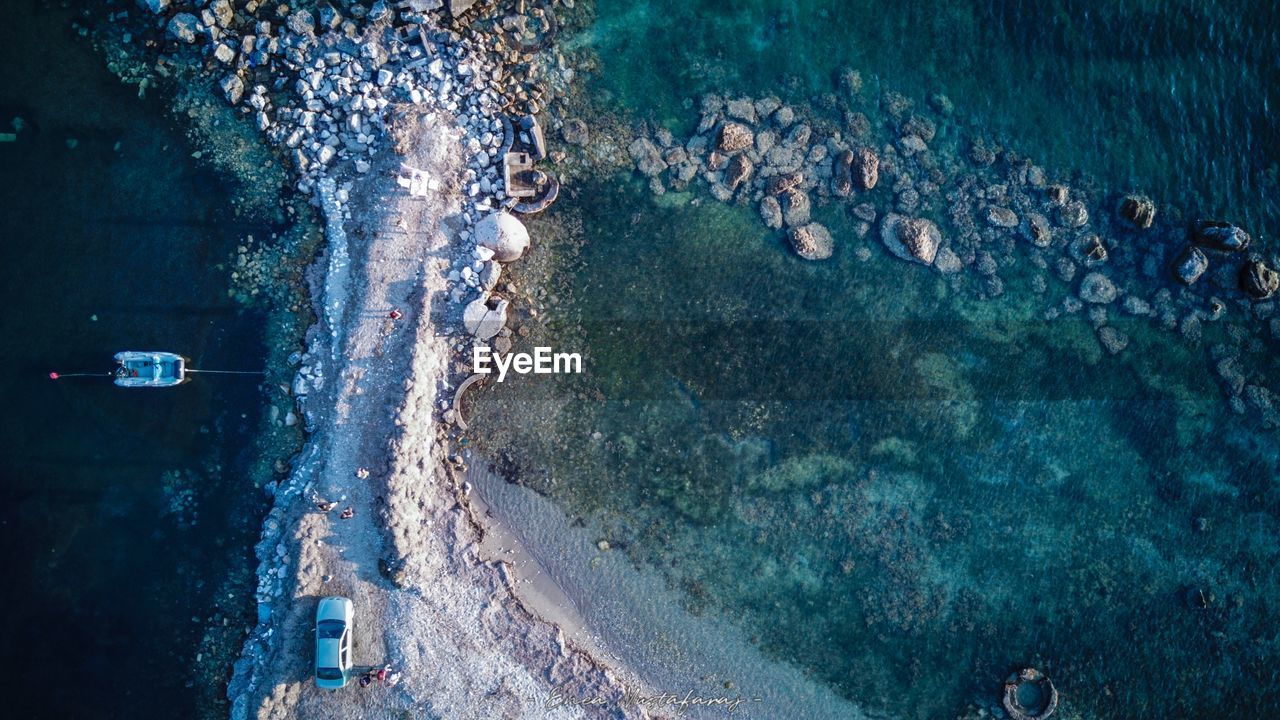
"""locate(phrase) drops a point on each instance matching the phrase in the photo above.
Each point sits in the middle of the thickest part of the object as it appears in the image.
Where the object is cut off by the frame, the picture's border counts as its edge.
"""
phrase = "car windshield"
(328, 673)
(330, 629)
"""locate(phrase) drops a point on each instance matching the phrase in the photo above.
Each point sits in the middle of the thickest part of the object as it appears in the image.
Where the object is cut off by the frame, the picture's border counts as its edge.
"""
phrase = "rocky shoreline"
(884, 161)
(393, 118)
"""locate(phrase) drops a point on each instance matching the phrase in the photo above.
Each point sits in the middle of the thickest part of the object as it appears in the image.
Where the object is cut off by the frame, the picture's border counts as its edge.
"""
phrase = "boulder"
(1036, 229)
(913, 239)
(646, 156)
(783, 117)
(1001, 217)
(812, 241)
(1191, 264)
(771, 212)
(738, 172)
(1258, 280)
(223, 13)
(1220, 236)
(779, 184)
(842, 174)
(742, 109)
(483, 321)
(1098, 289)
(795, 208)
(866, 166)
(155, 6)
(233, 88)
(1073, 214)
(948, 262)
(301, 22)
(1138, 211)
(502, 233)
(734, 137)
(183, 27)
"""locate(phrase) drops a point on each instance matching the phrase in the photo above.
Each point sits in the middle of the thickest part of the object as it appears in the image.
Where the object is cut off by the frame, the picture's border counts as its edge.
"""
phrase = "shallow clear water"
(128, 517)
(901, 488)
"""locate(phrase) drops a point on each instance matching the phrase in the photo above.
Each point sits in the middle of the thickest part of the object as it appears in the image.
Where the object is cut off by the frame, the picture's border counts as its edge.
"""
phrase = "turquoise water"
(904, 488)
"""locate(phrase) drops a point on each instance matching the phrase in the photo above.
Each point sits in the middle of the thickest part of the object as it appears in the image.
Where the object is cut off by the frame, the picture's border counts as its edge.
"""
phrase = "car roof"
(327, 653)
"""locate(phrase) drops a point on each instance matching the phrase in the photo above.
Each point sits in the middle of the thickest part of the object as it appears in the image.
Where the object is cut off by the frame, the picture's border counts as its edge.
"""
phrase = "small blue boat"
(136, 368)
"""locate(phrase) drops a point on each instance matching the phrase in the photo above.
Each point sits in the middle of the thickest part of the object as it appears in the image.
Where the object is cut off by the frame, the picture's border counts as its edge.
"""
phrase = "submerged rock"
(1112, 339)
(915, 239)
(646, 156)
(502, 233)
(1073, 214)
(183, 27)
(575, 132)
(812, 241)
(795, 208)
(842, 174)
(1036, 229)
(1098, 288)
(735, 137)
(1258, 280)
(771, 212)
(1001, 217)
(866, 165)
(1220, 236)
(1138, 210)
(1191, 264)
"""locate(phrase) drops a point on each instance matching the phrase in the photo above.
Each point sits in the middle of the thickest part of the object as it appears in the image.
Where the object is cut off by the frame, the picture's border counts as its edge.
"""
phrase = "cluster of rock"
(1000, 210)
(759, 150)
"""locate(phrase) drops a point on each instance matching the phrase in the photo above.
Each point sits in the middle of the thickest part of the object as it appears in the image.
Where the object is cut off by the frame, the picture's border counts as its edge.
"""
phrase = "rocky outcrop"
(913, 239)
(1220, 236)
(575, 132)
(812, 241)
(1190, 265)
(1098, 289)
(735, 137)
(1137, 210)
(1258, 280)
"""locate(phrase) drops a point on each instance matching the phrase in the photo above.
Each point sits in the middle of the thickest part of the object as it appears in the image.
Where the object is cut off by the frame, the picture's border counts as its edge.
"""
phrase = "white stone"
(502, 233)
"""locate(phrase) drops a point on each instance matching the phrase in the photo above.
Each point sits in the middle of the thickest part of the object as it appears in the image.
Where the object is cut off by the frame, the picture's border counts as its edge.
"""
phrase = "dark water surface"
(903, 489)
(127, 518)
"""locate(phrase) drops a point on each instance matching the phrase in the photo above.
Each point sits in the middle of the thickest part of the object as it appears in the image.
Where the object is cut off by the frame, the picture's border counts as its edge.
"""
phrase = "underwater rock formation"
(812, 241)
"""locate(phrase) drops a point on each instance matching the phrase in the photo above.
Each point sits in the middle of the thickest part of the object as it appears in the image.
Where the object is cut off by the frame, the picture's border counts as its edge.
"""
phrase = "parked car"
(334, 617)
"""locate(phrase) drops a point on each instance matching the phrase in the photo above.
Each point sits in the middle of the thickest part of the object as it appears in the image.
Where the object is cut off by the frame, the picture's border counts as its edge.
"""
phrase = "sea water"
(906, 491)
(128, 515)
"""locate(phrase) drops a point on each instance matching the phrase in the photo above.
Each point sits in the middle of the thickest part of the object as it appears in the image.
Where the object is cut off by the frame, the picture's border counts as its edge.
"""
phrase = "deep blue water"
(109, 595)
